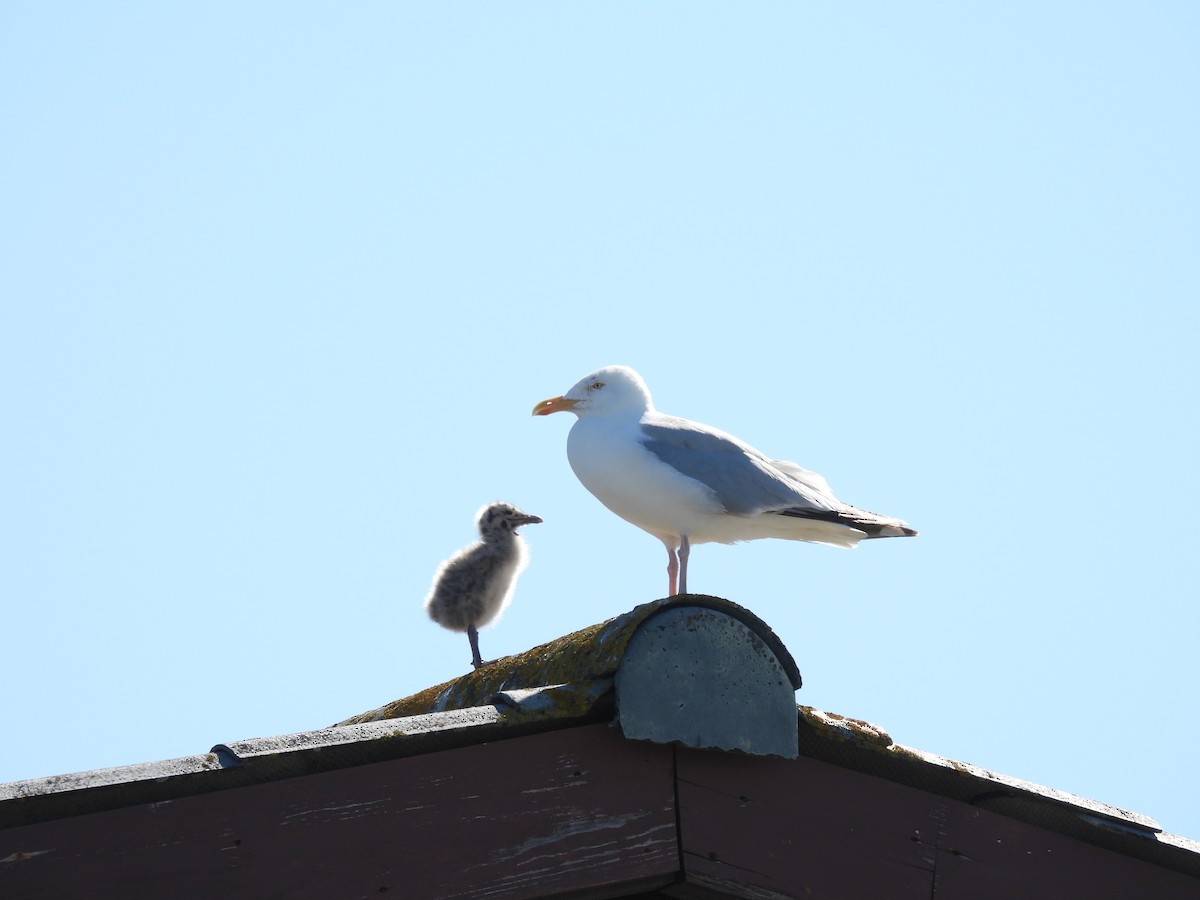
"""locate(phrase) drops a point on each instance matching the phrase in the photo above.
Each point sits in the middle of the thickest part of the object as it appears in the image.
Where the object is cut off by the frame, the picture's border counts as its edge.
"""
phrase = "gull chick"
(687, 483)
(474, 586)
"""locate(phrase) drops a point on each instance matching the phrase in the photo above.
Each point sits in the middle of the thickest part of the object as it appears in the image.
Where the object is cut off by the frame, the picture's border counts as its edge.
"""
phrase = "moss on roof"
(586, 655)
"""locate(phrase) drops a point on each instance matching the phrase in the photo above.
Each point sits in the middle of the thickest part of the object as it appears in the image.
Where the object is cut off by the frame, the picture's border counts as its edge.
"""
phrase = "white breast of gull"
(474, 586)
(687, 483)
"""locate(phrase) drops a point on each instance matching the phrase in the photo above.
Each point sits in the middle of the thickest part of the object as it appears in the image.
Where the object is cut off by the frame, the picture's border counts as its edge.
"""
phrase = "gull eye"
(596, 385)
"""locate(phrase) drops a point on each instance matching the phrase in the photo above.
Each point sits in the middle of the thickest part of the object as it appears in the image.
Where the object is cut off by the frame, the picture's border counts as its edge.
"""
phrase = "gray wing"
(744, 481)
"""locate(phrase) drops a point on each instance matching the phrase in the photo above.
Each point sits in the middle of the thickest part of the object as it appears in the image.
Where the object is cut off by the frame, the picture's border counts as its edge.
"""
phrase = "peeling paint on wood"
(519, 818)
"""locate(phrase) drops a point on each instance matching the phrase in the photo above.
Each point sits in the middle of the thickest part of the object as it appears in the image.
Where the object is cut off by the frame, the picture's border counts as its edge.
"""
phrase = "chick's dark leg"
(476, 659)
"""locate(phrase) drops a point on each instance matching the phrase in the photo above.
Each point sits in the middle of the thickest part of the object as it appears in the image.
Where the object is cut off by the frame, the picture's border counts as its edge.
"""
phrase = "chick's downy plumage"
(474, 586)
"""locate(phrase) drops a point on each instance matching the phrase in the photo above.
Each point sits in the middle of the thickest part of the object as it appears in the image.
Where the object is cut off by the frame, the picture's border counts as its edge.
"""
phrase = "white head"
(613, 389)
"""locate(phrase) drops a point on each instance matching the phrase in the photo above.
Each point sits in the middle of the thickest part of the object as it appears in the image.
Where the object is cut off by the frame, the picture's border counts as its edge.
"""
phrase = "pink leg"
(685, 549)
(672, 571)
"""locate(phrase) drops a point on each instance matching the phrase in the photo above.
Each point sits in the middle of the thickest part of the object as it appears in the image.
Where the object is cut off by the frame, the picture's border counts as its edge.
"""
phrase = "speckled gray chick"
(474, 586)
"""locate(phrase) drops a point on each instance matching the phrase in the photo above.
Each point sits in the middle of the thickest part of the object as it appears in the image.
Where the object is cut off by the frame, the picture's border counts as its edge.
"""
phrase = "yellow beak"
(553, 405)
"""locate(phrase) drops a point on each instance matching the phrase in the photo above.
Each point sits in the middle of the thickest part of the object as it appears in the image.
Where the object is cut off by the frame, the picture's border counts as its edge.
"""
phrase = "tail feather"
(875, 526)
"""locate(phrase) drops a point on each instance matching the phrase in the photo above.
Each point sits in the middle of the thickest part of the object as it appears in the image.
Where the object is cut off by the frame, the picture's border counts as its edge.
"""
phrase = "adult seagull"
(687, 483)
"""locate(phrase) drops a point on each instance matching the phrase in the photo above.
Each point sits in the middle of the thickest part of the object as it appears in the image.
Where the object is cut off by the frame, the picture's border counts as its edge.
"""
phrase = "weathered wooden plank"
(803, 828)
(559, 812)
(986, 856)
(799, 828)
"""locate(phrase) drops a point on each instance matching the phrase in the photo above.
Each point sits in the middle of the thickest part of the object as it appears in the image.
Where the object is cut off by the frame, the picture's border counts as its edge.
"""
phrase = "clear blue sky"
(280, 284)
